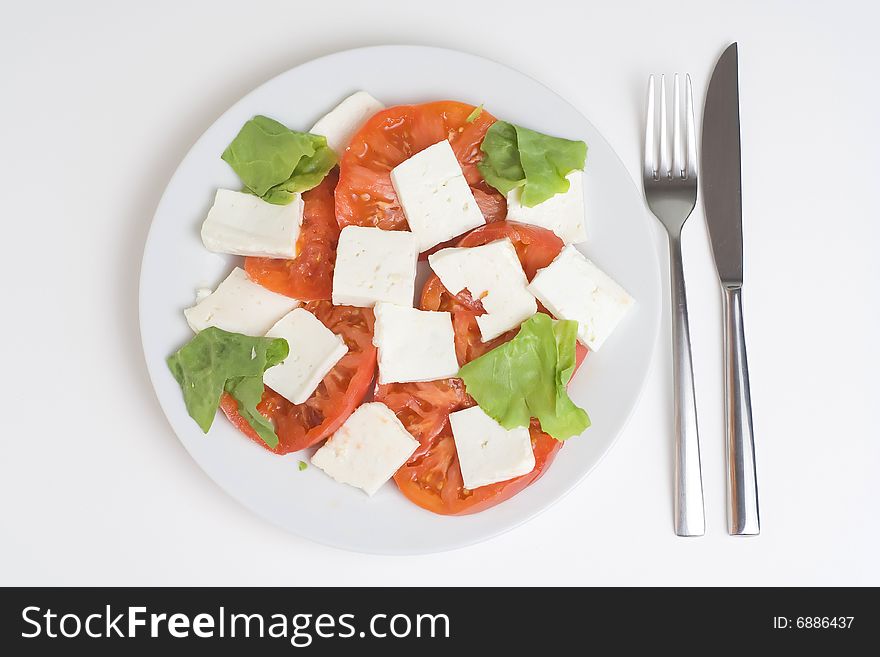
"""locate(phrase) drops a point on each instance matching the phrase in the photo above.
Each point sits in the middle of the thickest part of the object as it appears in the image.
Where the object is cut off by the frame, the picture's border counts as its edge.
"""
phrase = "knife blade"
(721, 179)
(720, 172)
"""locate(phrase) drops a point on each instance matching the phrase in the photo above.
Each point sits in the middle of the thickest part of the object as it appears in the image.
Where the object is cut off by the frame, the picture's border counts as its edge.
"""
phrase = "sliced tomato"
(492, 204)
(309, 276)
(468, 340)
(424, 408)
(580, 353)
(365, 196)
(536, 248)
(302, 425)
(432, 478)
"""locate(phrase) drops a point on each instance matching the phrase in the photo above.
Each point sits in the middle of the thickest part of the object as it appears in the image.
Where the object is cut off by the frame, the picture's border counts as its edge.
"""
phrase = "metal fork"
(670, 182)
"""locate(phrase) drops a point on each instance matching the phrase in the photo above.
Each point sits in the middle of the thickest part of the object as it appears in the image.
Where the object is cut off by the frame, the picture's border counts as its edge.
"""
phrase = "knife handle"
(742, 480)
(689, 516)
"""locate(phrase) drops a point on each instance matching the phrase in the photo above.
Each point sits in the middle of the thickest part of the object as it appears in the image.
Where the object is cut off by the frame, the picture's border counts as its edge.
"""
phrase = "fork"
(670, 183)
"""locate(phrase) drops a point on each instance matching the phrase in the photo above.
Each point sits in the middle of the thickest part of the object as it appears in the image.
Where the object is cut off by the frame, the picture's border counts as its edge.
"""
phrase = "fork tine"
(680, 168)
(691, 131)
(665, 168)
(650, 144)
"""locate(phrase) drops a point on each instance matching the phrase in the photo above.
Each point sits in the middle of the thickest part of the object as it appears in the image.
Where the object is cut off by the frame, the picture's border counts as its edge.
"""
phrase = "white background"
(100, 101)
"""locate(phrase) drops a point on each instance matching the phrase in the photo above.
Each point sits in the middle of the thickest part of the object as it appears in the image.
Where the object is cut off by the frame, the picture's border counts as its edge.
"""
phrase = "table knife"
(720, 177)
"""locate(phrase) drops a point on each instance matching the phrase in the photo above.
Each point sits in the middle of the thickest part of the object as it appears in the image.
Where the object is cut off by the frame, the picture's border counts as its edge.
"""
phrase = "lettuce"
(275, 162)
(475, 114)
(502, 167)
(519, 157)
(215, 361)
(308, 174)
(527, 377)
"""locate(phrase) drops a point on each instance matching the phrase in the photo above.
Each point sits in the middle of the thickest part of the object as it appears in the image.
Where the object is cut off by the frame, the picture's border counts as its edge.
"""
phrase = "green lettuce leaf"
(275, 162)
(527, 377)
(519, 157)
(501, 167)
(547, 161)
(216, 360)
(475, 114)
(308, 174)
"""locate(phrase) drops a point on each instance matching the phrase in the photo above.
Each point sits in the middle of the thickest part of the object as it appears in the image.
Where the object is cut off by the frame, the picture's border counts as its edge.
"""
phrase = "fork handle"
(689, 516)
(742, 480)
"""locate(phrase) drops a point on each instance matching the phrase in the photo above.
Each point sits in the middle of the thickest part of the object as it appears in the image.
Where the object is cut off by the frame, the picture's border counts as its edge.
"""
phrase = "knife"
(720, 177)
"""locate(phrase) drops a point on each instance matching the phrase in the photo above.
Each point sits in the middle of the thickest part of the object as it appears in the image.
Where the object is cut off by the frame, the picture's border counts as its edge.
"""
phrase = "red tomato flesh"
(309, 276)
(432, 478)
(365, 196)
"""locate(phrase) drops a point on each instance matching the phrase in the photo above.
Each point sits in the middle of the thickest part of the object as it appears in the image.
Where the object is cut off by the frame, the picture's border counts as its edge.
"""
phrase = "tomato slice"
(365, 196)
(302, 425)
(432, 476)
(536, 248)
(309, 276)
(424, 408)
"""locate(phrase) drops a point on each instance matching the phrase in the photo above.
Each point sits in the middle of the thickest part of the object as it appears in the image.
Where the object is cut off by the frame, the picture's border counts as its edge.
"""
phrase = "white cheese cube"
(562, 213)
(434, 195)
(239, 305)
(374, 265)
(414, 345)
(244, 224)
(340, 123)
(314, 351)
(487, 452)
(572, 287)
(367, 449)
(493, 274)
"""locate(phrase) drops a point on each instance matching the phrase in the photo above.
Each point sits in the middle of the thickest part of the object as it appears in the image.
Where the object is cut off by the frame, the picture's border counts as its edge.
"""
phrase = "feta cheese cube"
(244, 224)
(562, 213)
(434, 195)
(340, 123)
(414, 345)
(239, 305)
(493, 274)
(487, 452)
(314, 351)
(367, 449)
(374, 265)
(572, 287)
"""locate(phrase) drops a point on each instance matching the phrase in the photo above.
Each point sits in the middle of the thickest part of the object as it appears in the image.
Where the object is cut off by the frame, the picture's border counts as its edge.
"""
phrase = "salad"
(319, 338)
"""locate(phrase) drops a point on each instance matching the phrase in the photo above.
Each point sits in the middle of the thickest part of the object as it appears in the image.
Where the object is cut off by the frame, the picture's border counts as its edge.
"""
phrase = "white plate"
(309, 503)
